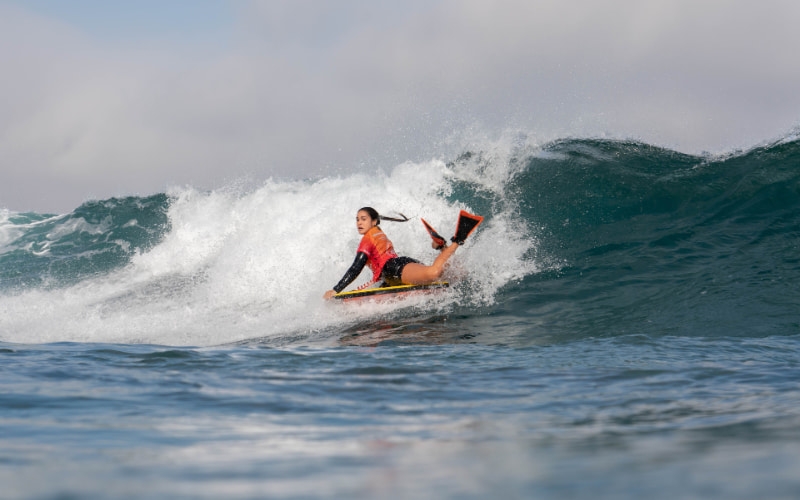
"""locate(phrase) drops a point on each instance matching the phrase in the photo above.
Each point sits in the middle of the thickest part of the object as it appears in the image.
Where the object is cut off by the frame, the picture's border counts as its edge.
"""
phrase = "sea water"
(624, 324)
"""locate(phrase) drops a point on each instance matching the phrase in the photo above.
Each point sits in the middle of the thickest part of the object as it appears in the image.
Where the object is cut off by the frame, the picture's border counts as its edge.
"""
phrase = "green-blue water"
(625, 324)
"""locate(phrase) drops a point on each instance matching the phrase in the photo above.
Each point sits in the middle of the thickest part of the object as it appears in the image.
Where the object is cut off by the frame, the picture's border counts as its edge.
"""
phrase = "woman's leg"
(420, 274)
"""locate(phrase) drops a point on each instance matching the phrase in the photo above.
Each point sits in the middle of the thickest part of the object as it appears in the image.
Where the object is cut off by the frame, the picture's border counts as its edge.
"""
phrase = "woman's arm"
(352, 273)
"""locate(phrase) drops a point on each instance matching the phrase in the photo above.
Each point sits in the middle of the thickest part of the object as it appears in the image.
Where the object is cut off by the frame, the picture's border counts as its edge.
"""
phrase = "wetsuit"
(376, 251)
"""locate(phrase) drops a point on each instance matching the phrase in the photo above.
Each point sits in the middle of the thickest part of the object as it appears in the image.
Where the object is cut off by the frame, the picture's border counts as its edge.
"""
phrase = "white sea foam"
(242, 264)
(8, 231)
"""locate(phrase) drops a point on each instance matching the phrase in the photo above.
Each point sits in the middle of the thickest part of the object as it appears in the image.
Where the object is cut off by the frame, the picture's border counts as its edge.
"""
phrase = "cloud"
(306, 86)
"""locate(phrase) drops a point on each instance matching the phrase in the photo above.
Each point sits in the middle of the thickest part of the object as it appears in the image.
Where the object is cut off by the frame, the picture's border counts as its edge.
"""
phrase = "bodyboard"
(388, 291)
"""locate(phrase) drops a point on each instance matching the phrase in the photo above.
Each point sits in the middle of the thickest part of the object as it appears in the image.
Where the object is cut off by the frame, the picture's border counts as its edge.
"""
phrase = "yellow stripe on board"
(389, 290)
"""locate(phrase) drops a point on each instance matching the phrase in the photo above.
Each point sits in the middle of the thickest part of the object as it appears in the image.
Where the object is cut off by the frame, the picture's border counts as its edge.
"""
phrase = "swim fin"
(467, 223)
(438, 240)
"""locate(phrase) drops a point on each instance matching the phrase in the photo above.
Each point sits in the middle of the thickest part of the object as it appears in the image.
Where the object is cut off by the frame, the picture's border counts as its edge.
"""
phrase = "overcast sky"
(104, 99)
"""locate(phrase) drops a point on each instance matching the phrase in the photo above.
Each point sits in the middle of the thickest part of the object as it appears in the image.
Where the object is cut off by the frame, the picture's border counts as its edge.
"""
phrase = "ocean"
(624, 324)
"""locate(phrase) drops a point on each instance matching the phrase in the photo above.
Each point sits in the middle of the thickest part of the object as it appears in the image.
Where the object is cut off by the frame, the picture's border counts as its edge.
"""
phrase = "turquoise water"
(623, 325)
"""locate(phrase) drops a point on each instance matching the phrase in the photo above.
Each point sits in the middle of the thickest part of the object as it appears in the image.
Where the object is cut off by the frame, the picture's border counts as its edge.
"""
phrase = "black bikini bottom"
(393, 269)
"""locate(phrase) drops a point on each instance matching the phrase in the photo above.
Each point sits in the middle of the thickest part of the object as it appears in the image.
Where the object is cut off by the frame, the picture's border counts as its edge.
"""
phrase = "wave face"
(582, 238)
(658, 242)
(98, 237)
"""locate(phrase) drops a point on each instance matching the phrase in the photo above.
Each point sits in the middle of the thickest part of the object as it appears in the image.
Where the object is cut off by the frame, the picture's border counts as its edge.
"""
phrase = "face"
(364, 222)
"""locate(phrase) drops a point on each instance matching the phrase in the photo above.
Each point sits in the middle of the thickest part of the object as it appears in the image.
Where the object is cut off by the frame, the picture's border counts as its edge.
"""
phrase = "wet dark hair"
(374, 215)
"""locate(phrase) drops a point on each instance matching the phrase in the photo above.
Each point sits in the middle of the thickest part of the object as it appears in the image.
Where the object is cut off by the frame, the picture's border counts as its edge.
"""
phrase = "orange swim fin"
(438, 239)
(467, 223)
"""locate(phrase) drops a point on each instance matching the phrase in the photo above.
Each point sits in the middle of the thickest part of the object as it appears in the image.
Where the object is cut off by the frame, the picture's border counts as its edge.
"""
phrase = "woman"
(377, 252)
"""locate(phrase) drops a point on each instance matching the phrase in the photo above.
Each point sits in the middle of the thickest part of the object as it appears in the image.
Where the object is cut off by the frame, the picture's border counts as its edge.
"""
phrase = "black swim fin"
(467, 223)
(438, 240)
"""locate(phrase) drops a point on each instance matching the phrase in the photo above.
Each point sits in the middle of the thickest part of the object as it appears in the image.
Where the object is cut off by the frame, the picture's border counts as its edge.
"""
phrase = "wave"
(99, 236)
(658, 242)
(204, 268)
(582, 238)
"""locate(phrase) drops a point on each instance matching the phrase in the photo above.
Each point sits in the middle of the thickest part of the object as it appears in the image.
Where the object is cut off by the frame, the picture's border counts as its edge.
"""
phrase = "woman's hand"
(329, 295)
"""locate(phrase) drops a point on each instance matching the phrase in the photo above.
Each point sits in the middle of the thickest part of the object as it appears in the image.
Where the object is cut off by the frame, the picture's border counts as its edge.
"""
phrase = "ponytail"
(394, 219)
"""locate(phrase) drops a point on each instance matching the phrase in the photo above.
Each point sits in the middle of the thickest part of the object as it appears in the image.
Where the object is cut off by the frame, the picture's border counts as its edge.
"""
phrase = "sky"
(104, 99)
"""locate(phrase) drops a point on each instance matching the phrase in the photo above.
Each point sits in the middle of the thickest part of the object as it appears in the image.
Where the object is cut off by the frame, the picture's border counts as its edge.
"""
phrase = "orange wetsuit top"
(374, 250)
